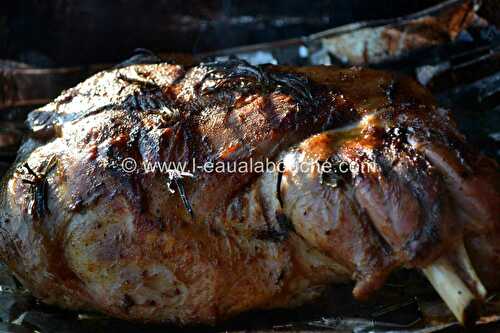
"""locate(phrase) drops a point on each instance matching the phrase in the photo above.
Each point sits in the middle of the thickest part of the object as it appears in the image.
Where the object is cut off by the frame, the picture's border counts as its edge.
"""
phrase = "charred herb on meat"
(39, 187)
(175, 177)
(239, 75)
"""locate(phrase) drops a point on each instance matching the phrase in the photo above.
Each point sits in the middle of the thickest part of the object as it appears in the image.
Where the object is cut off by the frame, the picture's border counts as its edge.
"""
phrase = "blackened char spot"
(278, 183)
(279, 233)
(284, 222)
(127, 302)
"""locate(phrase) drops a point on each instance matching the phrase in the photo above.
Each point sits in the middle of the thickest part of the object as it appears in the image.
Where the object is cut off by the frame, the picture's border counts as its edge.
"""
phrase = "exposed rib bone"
(467, 272)
(453, 290)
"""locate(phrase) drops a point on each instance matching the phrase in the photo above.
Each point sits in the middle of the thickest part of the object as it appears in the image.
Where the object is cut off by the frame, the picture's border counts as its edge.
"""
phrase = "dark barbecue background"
(72, 32)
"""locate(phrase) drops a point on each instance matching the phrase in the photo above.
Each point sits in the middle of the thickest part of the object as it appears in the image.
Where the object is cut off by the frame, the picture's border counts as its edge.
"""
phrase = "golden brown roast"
(369, 176)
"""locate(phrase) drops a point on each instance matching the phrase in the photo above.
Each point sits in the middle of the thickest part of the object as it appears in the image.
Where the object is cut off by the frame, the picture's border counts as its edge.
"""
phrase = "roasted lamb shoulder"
(82, 232)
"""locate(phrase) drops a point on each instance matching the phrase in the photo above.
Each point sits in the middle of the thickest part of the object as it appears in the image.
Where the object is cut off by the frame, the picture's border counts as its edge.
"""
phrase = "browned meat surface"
(82, 233)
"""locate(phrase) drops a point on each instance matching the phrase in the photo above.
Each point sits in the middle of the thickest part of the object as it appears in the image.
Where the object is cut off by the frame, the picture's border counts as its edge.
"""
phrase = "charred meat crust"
(102, 238)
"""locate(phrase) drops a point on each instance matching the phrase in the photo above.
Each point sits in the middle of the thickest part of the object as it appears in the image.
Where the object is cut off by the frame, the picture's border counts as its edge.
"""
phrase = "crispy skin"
(123, 244)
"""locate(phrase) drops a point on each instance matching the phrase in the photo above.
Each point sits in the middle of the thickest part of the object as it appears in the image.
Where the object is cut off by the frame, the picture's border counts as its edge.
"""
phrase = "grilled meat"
(81, 230)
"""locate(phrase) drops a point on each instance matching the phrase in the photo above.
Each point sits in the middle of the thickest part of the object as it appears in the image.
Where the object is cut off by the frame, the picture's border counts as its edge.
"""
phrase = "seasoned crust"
(122, 243)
